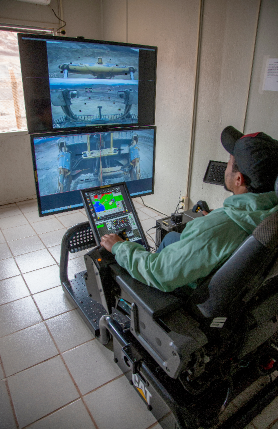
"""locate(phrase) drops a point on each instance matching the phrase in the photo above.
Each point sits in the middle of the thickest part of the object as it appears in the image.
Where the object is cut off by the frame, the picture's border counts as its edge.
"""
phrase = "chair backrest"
(245, 270)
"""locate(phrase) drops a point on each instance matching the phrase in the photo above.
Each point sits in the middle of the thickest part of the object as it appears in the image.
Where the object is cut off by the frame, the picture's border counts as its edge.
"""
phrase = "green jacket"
(205, 243)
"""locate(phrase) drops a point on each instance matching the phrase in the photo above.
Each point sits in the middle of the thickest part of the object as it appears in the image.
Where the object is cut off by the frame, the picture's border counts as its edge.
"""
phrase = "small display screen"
(110, 210)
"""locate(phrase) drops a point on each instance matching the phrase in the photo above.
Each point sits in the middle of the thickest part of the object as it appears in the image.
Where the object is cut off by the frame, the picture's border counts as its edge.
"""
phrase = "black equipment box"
(166, 224)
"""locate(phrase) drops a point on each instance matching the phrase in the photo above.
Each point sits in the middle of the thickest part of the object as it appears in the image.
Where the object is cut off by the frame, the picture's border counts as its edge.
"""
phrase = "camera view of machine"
(95, 87)
(110, 210)
(85, 83)
(65, 164)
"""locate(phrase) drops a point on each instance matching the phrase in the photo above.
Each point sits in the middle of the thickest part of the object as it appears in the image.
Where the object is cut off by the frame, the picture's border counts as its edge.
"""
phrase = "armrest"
(155, 302)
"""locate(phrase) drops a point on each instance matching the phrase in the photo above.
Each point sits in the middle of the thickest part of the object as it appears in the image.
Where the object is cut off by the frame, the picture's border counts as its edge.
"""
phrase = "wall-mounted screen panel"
(76, 83)
(65, 163)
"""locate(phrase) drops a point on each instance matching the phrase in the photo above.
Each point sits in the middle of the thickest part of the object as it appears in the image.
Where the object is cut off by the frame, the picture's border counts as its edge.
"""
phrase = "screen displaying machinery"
(74, 82)
(68, 162)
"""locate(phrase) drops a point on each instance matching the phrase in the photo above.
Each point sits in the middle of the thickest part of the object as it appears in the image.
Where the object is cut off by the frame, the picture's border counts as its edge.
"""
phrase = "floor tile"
(72, 416)
(18, 232)
(13, 221)
(69, 330)
(53, 238)
(34, 260)
(12, 289)
(26, 245)
(8, 268)
(91, 365)
(52, 302)
(33, 216)
(148, 223)
(47, 225)
(267, 416)
(43, 279)
(5, 251)
(26, 348)
(1, 372)
(142, 216)
(18, 315)
(76, 266)
(28, 206)
(7, 420)
(72, 219)
(125, 411)
(9, 210)
(2, 238)
(50, 389)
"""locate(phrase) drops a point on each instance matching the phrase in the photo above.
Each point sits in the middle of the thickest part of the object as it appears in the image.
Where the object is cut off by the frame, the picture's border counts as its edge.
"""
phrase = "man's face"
(229, 175)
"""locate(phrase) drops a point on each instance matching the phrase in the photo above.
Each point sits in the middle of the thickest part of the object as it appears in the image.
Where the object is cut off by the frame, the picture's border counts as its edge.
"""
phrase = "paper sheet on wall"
(271, 75)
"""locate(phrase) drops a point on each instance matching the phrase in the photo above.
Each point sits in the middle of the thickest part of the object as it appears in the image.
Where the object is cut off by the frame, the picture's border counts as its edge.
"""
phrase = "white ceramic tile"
(267, 416)
(252, 390)
(33, 216)
(147, 224)
(47, 225)
(50, 389)
(72, 416)
(99, 364)
(28, 206)
(52, 302)
(150, 212)
(1, 372)
(69, 330)
(56, 253)
(12, 289)
(26, 348)
(2, 238)
(18, 232)
(8, 268)
(13, 221)
(7, 420)
(72, 219)
(34, 260)
(18, 315)
(142, 216)
(43, 279)
(76, 266)
(26, 245)
(5, 251)
(126, 409)
(9, 210)
(53, 238)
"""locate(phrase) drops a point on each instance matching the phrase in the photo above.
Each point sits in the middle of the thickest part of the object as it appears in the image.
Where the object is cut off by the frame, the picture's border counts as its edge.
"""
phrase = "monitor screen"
(65, 163)
(75, 83)
(110, 210)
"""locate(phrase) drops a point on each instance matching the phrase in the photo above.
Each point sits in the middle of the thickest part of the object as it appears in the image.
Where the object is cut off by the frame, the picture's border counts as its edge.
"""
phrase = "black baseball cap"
(256, 156)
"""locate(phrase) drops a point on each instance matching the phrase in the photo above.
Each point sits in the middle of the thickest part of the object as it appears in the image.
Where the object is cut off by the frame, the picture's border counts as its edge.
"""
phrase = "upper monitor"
(73, 82)
(65, 163)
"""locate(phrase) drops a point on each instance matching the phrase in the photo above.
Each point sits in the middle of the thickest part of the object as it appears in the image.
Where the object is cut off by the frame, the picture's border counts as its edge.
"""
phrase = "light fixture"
(41, 2)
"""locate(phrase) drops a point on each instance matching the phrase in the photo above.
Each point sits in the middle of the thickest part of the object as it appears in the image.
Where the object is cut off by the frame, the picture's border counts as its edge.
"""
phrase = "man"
(207, 242)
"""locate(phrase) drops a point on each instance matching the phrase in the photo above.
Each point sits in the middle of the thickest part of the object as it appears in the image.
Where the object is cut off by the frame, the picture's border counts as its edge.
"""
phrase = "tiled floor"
(53, 373)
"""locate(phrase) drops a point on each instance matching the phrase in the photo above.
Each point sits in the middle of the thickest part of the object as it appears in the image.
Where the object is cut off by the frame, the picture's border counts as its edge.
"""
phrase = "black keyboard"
(215, 173)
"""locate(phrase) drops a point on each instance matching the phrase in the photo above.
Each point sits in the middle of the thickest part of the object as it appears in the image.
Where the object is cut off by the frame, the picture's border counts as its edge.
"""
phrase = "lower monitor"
(68, 162)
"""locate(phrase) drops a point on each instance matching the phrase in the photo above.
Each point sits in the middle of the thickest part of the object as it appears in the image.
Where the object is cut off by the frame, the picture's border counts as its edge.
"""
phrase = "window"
(12, 109)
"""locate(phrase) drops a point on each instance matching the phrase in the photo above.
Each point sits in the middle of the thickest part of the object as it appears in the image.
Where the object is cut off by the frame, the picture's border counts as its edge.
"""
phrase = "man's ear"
(239, 181)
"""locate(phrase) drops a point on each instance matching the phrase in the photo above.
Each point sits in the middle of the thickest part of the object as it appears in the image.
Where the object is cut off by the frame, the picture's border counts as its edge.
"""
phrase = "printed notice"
(271, 75)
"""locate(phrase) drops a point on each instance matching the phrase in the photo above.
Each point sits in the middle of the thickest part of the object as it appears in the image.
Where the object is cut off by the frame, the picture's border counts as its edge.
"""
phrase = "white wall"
(236, 37)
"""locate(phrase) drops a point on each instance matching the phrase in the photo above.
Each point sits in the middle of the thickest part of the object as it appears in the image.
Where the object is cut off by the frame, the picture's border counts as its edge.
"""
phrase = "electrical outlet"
(183, 203)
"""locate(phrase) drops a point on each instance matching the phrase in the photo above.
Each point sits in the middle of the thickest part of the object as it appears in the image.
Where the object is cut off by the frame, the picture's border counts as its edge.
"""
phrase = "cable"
(152, 208)
(61, 20)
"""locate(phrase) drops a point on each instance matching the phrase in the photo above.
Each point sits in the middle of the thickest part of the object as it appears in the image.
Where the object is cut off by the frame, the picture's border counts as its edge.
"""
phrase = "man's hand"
(108, 241)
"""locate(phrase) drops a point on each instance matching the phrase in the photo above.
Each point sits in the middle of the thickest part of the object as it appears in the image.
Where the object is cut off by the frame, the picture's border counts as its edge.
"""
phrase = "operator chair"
(188, 357)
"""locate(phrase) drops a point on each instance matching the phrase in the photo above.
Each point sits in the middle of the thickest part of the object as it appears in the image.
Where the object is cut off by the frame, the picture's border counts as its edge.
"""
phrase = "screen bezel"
(85, 131)
(127, 195)
(35, 77)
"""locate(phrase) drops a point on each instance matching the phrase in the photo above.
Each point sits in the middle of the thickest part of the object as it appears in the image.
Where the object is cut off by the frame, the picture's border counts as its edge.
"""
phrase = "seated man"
(207, 242)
